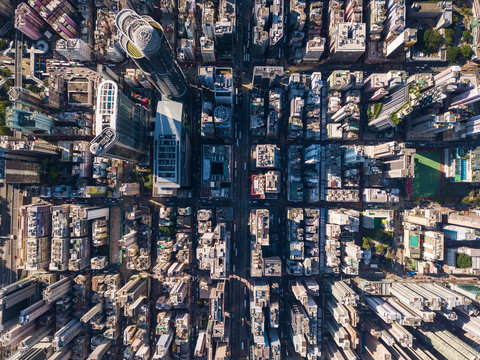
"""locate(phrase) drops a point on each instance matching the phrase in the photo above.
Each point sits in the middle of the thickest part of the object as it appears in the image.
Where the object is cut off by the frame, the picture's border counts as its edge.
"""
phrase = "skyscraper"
(28, 21)
(60, 15)
(120, 125)
(74, 49)
(171, 150)
(144, 41)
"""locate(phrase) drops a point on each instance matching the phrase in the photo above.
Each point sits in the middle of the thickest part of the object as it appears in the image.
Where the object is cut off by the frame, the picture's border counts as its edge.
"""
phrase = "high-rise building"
(349, 43)
(314, 49)
(223, 87)
(60, 15)
(144, 41)
(28, 21)
(6, 8)
(25, 98)
(15, 297)
(74, 49)
(29, 122)
(171, 157)
(120, 125)
(224, 38)
(186, 50)
(38, 224)
(20, 160)
(405, 40)
(207, 49)
(206, 76)
(260, 41)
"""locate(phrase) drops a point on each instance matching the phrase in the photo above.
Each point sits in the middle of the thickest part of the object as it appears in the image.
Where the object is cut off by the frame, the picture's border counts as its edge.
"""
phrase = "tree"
(379, 249)
(148, 183)
(453, 53)
(449, 35)
(466, 51)
(464, 261)
(455, 20)
(366, 243)
(3, 107)
(3, 44)
(54, 172)
(466, 35)
(167, 230)
(5, 72)
(432, 40)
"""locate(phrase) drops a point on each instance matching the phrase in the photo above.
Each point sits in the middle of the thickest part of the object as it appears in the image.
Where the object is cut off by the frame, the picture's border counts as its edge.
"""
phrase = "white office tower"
(338, 333)
(349, 43)
(402, 42)
(94, 311)
(171, 145)
(66, 334)
(57, 290)
(383, 309)
(120, 125)
(338, 311)
(144, 41)
(34, 311)
(407, 296)
(13, 297)
(344, 294)
(100, 350)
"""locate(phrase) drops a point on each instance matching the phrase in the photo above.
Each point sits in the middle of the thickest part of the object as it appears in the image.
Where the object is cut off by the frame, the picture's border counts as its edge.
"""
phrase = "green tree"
(465, 11)
(432, 40)
(167, 230)
(464, 261)
(466, 35)
(466, 51)
(3, 107)
(366, 243)
(453, 53)
(455, 20)
(3, 44)
(449, 35)
(148, 183)
(5, 72)
(53, 172)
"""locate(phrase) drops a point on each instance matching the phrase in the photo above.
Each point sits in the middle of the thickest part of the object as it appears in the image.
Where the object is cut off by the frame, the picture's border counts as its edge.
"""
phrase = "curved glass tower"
(145, 43)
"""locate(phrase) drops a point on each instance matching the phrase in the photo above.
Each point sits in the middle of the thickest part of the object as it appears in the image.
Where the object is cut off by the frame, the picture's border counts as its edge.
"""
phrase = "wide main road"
(240, 245)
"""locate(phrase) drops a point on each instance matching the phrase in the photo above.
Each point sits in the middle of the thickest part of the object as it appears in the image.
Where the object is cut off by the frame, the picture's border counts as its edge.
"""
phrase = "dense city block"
(240, 179)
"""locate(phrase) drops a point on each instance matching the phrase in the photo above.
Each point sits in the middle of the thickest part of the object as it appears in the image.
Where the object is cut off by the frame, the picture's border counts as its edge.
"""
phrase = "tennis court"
(427, 175)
